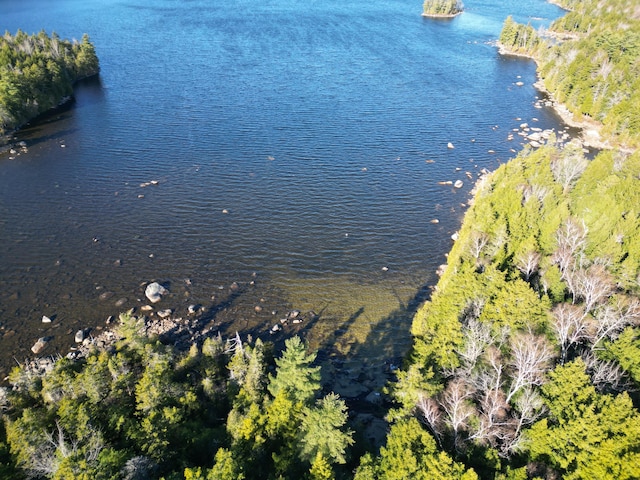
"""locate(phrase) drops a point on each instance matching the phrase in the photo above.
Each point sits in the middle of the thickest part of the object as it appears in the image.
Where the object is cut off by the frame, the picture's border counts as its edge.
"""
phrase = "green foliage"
(149, 410)
(140, 408)
(626, 352)
(411, 452)
(295, 377)
(588, 435)
(322, 435)
(518, 38)
(442, 7)
(594, 70)
(548, 229)
(37, 72)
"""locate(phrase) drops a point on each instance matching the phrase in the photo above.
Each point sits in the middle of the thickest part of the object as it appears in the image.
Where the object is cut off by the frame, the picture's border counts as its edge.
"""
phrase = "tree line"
(444, 8)
(526, 358)
(225, 409)
(37, 73)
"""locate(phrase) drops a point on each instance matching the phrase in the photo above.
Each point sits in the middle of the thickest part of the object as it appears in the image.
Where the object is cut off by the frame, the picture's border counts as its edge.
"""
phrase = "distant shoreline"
(591, 129)
(441, 15)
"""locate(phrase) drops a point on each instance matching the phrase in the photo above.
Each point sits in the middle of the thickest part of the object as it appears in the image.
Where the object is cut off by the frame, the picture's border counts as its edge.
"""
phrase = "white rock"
(458, 184)
(154, 292)
(46, 319)
(79, 336)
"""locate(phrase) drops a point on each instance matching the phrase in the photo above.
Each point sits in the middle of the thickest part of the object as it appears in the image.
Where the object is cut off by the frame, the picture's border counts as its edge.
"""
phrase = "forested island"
(525, 362)
(441, 8)
(37, 73)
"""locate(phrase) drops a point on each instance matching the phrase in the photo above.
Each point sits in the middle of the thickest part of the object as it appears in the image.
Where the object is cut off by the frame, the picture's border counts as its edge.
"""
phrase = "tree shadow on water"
(366, 366)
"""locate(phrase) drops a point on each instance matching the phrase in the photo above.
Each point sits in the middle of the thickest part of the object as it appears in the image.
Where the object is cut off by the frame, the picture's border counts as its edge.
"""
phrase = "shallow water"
(302, 141)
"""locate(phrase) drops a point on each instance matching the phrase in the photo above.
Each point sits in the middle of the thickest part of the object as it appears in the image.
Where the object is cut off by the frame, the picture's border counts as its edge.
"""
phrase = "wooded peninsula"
(525, 361)
(37, 73)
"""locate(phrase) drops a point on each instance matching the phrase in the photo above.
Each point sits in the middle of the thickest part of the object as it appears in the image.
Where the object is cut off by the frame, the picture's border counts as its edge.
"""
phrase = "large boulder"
(155, 291)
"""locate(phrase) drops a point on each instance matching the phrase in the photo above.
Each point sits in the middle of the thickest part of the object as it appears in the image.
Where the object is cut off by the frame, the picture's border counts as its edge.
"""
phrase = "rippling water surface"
(302, 141)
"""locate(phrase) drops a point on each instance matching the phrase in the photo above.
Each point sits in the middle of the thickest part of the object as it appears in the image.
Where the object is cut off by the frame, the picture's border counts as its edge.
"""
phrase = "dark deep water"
(320, 128)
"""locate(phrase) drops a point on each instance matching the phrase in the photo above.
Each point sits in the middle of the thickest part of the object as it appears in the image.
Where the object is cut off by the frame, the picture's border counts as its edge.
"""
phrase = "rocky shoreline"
(590, 129)
(441, 15)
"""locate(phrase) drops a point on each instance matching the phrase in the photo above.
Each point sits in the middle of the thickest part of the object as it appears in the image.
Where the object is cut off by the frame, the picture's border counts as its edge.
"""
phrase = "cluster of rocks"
(180, 332)
(152, 321)
(294, 317)
(535, 136)
(147, 184)
(16, 149)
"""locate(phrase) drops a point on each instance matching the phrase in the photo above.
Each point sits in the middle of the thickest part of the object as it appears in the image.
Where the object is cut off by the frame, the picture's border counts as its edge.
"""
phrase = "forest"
(441, 8)
(37, 73)
(588, 60)
(525, 361)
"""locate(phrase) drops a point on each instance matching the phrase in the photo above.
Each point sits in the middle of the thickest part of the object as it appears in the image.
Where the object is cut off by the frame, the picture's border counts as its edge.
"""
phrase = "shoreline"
(441, 15)
(7, 139)
(591, 130)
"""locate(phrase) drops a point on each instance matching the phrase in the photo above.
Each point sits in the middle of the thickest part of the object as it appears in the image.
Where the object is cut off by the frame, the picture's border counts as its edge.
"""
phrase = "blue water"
(302, 141)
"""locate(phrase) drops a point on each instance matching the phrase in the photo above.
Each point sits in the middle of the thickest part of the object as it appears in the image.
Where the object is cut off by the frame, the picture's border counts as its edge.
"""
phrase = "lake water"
(296, 145)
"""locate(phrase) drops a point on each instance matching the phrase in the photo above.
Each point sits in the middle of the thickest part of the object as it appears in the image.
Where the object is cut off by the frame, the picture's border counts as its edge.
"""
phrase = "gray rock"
(79, 338)
(155, 291)
(40, 345)
(105, 295)
(165, 313)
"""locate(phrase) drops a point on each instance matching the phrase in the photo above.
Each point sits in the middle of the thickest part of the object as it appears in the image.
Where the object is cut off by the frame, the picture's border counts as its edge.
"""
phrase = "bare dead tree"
(568, 165)
(606, 375)
(431, 414)
(594, 285)
(458, 409)
(479, 241)
(534, 191)
(529, 408)
(477, 336)
(492, 417)
(570, 326)
(612, 318)
(571, 238)
(528, 263)
(530, 359)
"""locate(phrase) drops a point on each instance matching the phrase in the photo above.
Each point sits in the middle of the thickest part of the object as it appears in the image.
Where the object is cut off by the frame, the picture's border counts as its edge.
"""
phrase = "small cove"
(303, 143)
